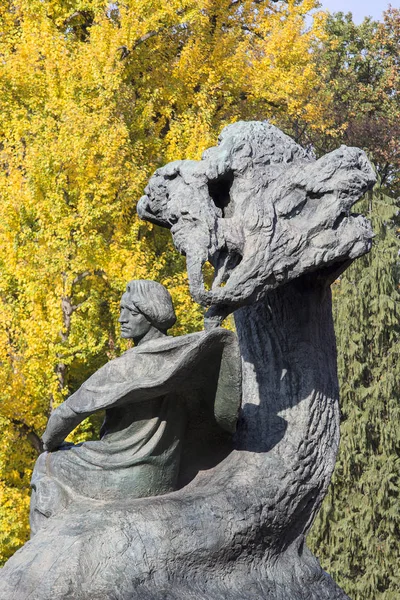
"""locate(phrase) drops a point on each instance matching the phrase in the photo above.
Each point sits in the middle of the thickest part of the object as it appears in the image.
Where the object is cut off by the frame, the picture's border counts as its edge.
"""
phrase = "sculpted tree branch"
(295, 220)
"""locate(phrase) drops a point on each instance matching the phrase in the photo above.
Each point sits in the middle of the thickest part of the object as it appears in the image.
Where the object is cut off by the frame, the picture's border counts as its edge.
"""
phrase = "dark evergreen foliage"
(357, 533)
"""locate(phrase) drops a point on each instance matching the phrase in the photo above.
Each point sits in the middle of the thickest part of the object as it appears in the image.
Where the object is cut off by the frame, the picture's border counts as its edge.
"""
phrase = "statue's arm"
(104, 389)
(62, 421)
(123, 380)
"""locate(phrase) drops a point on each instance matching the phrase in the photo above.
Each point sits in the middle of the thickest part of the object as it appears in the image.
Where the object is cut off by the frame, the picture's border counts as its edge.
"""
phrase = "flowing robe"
(171, 408)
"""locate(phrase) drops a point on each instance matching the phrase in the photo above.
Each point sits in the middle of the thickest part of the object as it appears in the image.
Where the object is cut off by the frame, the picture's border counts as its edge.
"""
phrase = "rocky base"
(115, 554)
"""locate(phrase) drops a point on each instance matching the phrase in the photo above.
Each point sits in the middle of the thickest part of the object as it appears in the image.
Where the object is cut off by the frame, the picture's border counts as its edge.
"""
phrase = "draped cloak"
(171, 408)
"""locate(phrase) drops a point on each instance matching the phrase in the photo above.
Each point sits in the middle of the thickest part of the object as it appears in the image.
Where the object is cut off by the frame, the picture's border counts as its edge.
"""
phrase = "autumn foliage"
(94, 96)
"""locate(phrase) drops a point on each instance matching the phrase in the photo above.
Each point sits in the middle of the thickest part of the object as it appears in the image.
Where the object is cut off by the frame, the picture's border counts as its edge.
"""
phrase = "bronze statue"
(163, 398)
(278, 227)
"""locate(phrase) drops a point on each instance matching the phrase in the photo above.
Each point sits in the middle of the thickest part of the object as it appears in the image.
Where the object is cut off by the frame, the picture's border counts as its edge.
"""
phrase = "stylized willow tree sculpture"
(276, 226)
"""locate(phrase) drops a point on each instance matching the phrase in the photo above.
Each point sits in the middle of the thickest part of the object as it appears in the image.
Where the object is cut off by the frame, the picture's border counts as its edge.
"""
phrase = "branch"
(125, 51)
(80, 277)
(234, 2)
(248, 30)
(146, 37)
(31, 435)
(383, 173)
(100, 273)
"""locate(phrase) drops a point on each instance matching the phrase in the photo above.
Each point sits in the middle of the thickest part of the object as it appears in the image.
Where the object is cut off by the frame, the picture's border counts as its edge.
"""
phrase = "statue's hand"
(62, 421)
(50, 446)
(45, 447)
(57, 429)
(50, 442)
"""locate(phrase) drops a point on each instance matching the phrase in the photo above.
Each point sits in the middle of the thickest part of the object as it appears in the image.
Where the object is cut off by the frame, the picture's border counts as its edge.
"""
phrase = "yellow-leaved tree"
(94, 96)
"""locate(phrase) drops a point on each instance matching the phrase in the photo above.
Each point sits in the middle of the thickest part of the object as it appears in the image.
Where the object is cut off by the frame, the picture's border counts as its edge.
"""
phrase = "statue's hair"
(154, 302)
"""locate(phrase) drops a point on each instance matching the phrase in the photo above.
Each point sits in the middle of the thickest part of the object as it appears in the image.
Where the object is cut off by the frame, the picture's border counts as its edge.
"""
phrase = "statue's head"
(262, 211)
(146, 306)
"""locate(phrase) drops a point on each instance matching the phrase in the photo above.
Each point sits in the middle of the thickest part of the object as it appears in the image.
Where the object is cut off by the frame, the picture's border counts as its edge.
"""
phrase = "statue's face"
(134, 324)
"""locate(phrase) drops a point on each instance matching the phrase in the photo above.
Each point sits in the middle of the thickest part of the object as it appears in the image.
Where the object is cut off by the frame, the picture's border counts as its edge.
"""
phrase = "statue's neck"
(152, 334)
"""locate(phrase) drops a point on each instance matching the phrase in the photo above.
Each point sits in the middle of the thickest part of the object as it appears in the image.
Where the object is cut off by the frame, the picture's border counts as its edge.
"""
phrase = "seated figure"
(170, 404)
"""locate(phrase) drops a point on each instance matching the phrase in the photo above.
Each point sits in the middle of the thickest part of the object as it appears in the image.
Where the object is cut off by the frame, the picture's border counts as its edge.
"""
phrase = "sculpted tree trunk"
(290, 402)
(277, 228)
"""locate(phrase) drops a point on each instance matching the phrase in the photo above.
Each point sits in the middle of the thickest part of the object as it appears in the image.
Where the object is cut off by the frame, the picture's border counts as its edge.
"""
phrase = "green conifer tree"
(357, 532)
